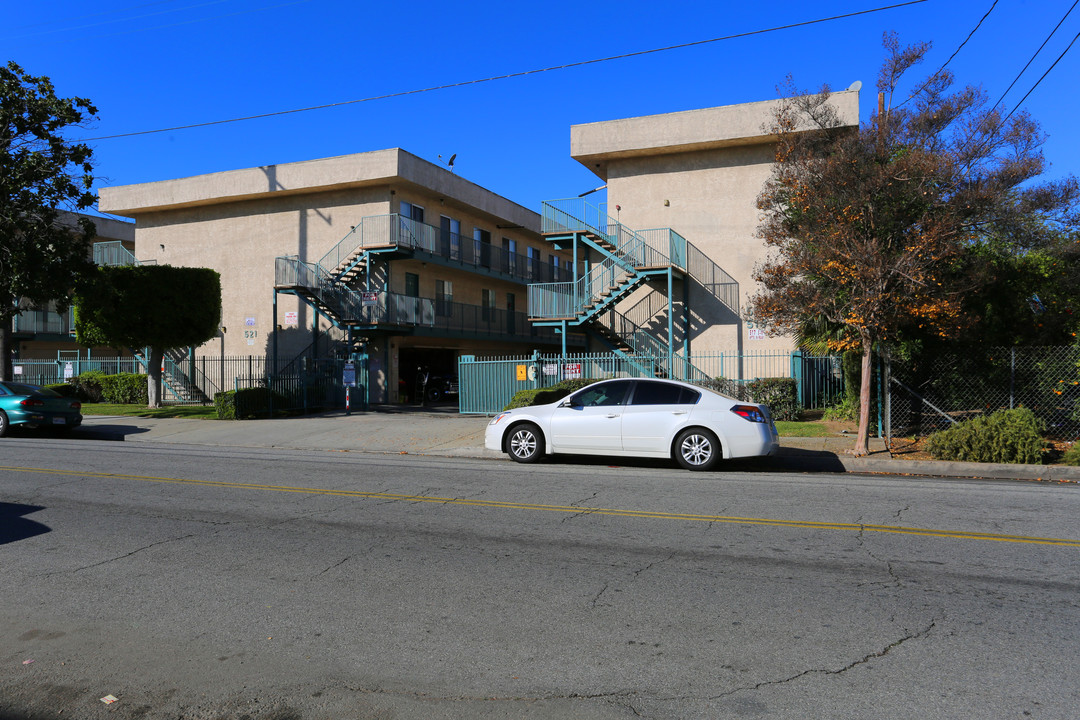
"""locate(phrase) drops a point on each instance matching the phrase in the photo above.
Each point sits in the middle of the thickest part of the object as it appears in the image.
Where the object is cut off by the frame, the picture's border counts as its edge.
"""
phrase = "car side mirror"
(570, 402)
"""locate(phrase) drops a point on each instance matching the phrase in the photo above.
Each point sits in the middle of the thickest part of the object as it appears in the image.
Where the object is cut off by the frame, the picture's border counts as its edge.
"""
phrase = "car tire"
(434, 394)
(524, 443)
(697, 449)
(5, 425)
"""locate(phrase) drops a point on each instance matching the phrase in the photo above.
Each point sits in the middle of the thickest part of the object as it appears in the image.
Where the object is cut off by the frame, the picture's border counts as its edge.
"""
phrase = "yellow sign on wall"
(522, 373)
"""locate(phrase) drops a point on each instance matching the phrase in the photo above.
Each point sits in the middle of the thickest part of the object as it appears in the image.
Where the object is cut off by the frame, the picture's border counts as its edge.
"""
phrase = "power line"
(92, 15)
(1037, 82)
(955, 52)
(509, 75)
(1019, 74)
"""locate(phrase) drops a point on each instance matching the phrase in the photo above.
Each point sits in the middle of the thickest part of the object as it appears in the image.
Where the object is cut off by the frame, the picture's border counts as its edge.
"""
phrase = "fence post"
(1012, 377)
(797, 373)
(887, 392)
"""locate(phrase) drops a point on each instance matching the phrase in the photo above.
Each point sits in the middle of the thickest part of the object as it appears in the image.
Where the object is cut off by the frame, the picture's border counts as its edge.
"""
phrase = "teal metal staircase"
(626, 261)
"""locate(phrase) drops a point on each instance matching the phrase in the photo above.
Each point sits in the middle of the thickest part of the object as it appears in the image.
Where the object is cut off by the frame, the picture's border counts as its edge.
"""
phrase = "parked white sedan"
(637, 418)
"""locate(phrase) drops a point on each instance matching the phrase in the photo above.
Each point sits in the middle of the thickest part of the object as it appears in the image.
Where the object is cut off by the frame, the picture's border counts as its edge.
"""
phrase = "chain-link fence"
(931, 395)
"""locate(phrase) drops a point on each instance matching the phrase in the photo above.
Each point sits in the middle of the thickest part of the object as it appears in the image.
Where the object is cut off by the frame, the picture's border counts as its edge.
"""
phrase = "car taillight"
(76, 405)
(749, 412)
(32, 402)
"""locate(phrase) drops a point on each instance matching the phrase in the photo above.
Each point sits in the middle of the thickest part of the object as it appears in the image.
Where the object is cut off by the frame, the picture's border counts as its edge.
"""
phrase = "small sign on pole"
(369, 299)
(348, 379)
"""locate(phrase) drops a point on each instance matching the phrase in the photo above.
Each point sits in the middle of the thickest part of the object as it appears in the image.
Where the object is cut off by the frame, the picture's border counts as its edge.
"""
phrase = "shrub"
(847, 408)
(543, 396)
(780, 394)
(125, 389)
(1072, 455)
(1007, 436)
(247, 403)
(88, 386)
(64, 389)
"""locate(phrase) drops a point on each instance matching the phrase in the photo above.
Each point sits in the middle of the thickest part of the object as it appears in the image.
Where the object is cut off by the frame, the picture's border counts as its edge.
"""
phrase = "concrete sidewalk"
(444, 432)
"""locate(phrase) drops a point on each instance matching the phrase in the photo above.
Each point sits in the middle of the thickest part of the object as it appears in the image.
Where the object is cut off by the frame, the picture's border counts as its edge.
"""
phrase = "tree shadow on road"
(14, 527)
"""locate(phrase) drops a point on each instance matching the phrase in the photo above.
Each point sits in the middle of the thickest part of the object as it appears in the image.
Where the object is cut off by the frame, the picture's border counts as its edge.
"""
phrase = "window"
(554, 268)
(444, 298)
(482, 247)
(487, 305)
(661, 393)
(450, 237)
(412, 284)
(413, 212)
(410, 216)
(603, 395)
(509, 256)
(533, 271)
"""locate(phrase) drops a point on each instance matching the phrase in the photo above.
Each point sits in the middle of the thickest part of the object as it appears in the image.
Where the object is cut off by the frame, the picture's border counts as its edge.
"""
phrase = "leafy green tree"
(868, 226)
(41, 172)
(149, 306)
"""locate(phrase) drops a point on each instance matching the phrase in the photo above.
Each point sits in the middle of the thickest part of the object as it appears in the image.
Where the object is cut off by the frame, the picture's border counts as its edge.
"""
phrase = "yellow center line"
(616, 512)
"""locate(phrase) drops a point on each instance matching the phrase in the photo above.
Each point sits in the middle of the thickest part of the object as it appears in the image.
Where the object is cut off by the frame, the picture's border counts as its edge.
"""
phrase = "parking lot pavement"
(444, 432)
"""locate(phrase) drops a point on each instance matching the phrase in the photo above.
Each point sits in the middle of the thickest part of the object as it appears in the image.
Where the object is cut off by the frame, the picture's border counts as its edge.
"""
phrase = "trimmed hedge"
(65, 390)
(543, 396)
(94, 386)
(780, 394)
(1006, 436)
(247, 403)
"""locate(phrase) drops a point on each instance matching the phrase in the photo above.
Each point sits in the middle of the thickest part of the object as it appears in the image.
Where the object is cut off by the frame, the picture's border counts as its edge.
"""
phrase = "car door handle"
(613, 415)
(678, 412)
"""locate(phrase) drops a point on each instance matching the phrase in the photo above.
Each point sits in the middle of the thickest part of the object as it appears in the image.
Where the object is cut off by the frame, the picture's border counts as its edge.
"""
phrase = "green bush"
(1007, 436)
(780, 394)
(124, 389)
(225, 404)
(88, 386)
(543, 396)
(847, 408)
(64, 389)
(1072, 455)
(247, 403)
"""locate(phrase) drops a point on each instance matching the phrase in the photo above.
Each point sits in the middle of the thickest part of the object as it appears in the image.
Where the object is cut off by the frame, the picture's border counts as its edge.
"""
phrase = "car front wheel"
(525, 443)
(697, 449)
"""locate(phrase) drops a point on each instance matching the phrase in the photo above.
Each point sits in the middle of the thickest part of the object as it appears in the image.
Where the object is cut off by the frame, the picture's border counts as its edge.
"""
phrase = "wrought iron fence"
(932, 395)
(297, 385)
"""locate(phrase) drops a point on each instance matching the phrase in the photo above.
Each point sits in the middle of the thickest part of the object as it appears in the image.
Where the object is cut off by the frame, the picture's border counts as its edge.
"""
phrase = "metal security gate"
(486, 385)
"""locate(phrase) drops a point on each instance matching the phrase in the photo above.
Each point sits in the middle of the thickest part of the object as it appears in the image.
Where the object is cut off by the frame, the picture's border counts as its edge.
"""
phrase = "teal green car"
(32, 406)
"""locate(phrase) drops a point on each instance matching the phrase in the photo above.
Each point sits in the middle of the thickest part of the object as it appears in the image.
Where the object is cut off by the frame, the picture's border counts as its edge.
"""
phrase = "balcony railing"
(394, 230)
(46, 322)
(114, 253)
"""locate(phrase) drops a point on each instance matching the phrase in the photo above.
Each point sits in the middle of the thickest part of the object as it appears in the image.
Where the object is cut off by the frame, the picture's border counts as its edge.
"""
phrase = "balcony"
(455, 250)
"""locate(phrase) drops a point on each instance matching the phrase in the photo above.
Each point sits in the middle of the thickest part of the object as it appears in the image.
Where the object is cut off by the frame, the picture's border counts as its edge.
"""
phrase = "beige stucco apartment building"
(401, 260)
(446, 261)
(42, 332)
(698, 172)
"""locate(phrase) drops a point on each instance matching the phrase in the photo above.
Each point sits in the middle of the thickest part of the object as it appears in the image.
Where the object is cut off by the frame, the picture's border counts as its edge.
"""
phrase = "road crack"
(124, 556)
(839, 671)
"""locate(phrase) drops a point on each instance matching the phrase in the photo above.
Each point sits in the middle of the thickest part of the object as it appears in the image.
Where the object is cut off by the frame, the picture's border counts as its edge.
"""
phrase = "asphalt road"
(194, 582)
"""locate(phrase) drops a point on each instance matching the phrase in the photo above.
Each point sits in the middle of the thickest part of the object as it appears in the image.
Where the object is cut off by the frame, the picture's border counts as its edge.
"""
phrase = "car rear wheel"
(4, 424)
(697, 449)
(525, 443)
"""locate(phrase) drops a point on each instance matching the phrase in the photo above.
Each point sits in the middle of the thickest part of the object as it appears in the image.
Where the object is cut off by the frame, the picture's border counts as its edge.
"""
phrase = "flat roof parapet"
(595, 145)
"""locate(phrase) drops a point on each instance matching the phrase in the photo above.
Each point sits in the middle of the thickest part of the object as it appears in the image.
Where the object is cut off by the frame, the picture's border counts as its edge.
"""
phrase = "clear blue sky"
(150, 64)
